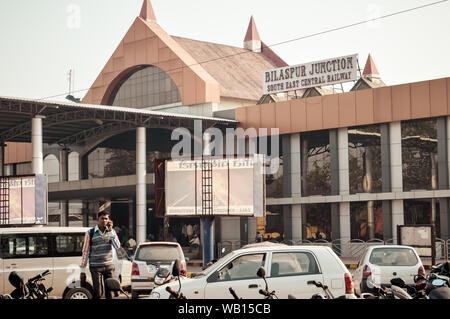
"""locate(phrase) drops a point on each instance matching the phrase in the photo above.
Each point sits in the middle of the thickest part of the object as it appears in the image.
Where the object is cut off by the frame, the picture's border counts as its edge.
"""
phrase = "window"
(146, 87)
(393, 257)
(158, 253)
(423, 212)
(366, 220)
(318, 222)
(243, 267)
(69, 244)
(316, 163)
(364, 155)
(25, 246)
(419, 155)
(293, 264)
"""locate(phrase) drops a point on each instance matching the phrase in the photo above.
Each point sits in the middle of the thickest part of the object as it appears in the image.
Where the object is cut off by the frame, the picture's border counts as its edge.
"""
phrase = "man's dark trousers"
(106, 272)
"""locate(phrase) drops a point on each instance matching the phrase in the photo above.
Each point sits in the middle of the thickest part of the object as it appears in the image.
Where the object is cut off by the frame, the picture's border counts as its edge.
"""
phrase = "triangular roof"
(252, 32)
(370, 69)
(203, 71)
(147, 12)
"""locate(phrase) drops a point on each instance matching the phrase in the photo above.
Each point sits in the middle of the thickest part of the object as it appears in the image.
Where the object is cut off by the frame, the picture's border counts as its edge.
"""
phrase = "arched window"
(146, 87)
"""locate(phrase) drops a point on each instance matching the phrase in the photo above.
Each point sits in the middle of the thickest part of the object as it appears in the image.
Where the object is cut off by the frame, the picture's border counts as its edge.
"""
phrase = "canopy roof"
(73, 123)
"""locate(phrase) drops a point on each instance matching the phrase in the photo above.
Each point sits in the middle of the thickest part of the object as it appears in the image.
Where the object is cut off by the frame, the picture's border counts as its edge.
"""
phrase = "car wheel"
(78, 293)
(134, 295)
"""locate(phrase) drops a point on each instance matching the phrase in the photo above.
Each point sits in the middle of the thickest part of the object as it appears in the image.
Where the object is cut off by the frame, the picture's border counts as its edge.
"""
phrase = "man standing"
(97, 248)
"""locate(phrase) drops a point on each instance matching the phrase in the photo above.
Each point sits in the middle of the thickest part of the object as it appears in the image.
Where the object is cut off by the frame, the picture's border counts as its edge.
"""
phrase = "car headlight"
(155, 295)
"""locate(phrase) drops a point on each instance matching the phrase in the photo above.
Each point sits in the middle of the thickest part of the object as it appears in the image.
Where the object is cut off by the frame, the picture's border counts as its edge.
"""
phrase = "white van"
(32, 250)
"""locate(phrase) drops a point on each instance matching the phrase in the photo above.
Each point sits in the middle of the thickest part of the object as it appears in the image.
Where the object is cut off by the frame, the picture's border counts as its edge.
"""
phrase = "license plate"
(151, 269)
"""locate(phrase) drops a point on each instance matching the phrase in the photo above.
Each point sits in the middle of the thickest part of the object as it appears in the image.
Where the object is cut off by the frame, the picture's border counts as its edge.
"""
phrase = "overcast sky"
(42, 40)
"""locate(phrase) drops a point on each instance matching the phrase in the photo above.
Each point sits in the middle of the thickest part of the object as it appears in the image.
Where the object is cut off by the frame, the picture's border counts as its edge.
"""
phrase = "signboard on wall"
(237, 187)
(24, 200)
(313, 74)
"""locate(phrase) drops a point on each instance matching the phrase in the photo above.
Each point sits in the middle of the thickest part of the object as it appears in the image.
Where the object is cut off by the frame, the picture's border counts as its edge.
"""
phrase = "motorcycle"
(32, 289)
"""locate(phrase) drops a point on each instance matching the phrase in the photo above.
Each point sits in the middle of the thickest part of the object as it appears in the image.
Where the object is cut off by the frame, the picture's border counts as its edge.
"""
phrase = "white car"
(288, 270)
(148, 258)
(381, 263)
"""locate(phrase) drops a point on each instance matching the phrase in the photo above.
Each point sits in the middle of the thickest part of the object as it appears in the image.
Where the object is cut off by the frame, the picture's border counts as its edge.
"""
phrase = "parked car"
(381, 263)
(31, 250)
(288, 271)
(149, 256)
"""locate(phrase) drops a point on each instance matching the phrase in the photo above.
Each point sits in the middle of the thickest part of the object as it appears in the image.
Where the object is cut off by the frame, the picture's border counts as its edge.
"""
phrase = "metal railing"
(344, 248)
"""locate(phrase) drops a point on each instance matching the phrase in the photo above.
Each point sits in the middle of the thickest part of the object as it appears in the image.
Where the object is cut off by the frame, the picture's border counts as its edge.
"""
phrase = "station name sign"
(302, 76)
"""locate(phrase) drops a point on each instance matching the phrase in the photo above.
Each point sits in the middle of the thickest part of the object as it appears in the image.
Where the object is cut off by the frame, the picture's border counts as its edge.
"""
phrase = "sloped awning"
(74, 123)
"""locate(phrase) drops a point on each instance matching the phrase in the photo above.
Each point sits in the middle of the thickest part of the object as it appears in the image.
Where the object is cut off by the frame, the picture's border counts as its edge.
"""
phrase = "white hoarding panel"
(235, 189)
(313, 74)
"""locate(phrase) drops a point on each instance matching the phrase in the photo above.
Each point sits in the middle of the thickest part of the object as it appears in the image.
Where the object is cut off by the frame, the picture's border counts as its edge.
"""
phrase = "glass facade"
(318, 222)
(422, 212)
(315, 163)
(149, 86)
(366, 220)
(364, 155)
(274, 222)
(108, 162)
(419, 155)
(274, 178)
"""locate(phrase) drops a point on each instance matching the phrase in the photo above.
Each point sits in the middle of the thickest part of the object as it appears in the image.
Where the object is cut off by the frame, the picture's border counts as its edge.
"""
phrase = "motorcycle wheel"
(78, 293)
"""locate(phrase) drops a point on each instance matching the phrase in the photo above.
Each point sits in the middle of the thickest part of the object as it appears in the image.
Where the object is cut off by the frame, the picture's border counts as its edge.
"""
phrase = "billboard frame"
(45, 189)
(432, 245)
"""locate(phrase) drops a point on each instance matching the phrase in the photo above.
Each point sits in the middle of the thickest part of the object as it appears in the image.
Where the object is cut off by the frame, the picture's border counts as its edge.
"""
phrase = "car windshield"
(158, 253)
(393, 257)
(210, 269)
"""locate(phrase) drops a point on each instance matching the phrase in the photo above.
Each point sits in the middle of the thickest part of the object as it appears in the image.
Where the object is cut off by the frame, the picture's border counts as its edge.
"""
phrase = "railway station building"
(354, 165)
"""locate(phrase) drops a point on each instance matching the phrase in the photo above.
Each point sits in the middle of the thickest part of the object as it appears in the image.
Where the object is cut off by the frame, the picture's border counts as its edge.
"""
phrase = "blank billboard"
(237, 187)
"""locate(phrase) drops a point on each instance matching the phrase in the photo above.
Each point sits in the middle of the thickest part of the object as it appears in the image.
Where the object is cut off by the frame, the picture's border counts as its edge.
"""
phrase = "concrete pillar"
(398, 217)
(296, 188)
(37, 160)
(296, 182)
(334, 156)
(141, 192)
(345, 230)
(395, 139)
(297, 225)
(252, 224)
(344, 188)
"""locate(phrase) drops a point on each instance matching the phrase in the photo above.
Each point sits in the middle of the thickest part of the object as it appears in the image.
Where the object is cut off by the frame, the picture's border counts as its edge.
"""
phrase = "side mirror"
(223, 250)
(176, 268)
(261, 272)
(186, 258)
(113, 284)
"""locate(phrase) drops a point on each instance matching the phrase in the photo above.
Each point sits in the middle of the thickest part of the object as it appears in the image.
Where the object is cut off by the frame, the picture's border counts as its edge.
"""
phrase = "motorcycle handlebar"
(264, 292)
(172, 292)
(233, 293)
(37, 277)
